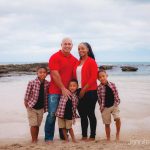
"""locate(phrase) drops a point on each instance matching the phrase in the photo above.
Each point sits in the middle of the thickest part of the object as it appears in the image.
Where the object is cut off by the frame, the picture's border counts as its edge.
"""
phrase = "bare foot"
(74, 141)
(83, 139)
(34, 141)
(65, 141)
(90, 140)
(49, 142)
(108, 139)
(117, 137)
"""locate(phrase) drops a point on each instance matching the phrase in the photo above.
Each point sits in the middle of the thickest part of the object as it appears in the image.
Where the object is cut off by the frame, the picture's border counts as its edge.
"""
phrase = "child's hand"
(73, 121)
(115, 105)
(26, 104)
(82, 93)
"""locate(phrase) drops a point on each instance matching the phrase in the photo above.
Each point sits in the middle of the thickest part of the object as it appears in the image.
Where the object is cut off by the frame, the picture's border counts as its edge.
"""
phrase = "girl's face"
(83, 50)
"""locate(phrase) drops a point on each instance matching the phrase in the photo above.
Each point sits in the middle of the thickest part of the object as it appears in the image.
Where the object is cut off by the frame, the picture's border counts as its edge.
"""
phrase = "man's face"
(66, 46)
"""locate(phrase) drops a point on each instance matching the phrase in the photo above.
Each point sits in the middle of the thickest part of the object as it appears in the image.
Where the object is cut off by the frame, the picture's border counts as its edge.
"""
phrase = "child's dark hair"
(42, 67)
(74, 80)
(102, 70)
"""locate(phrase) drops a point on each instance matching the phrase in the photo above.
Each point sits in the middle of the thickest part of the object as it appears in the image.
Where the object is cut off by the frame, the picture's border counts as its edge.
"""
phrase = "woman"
(86, 74)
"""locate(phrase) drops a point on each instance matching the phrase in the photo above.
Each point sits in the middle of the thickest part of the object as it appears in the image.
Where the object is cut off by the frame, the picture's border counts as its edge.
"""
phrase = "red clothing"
(88, 73)
(64, 65)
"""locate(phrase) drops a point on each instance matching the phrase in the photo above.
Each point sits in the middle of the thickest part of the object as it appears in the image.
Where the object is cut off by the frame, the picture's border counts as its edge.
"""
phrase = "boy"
(108, 100)
(66, 111)
(35, 101)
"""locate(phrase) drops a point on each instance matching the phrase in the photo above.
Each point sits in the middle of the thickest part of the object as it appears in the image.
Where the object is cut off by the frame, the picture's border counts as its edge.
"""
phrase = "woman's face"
(83, 50)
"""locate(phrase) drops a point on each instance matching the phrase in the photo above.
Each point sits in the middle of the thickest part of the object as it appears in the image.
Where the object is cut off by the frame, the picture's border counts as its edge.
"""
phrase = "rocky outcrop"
(129, 68)
(106, 67)
(21, 68)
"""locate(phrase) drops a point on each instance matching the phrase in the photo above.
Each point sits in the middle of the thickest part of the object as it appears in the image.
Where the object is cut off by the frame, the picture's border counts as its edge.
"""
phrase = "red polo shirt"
(88, 73)
(64, 65)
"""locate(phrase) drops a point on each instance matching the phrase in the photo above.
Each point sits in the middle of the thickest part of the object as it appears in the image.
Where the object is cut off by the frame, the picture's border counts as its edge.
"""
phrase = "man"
(61, 66)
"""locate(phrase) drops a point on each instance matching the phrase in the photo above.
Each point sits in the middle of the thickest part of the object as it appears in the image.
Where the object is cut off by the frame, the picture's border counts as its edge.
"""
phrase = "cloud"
(36, 27)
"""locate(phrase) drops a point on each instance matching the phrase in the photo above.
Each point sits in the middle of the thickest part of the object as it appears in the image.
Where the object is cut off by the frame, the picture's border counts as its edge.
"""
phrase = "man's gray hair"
(66, 38)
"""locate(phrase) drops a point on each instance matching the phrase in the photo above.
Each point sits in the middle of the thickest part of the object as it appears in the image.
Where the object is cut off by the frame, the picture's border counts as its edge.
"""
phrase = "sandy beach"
(135, 117)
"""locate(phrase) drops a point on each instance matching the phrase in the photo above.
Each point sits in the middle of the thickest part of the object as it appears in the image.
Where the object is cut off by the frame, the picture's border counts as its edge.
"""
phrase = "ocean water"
(143, 68)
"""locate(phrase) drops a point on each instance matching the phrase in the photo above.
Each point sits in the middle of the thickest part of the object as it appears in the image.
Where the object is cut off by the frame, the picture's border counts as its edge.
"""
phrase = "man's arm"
(57, 79)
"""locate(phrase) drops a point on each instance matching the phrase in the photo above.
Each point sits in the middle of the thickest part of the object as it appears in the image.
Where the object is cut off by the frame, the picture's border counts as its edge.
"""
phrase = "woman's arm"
(93, 70)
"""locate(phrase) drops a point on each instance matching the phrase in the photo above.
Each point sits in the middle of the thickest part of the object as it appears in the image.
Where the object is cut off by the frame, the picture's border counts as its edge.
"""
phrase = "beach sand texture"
(135, 117)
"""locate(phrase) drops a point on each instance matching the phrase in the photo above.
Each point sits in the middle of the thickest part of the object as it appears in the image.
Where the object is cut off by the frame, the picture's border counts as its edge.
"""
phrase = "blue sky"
(32, 30)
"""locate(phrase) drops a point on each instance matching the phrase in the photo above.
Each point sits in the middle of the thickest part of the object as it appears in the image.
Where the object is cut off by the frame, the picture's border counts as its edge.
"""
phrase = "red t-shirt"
(64, 65)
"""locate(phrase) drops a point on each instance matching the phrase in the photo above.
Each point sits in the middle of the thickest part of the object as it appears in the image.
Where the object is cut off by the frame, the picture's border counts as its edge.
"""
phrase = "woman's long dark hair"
(90, 53)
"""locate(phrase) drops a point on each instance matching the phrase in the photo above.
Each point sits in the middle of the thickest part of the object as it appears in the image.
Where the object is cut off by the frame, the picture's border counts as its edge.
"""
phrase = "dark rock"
(106, 67)
(129, 68)
(21, 68)
(3, 71)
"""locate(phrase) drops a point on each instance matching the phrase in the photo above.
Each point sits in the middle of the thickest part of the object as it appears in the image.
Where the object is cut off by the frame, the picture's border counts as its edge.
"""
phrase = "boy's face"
(41, 73)
(102, 77)
(73, 87)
